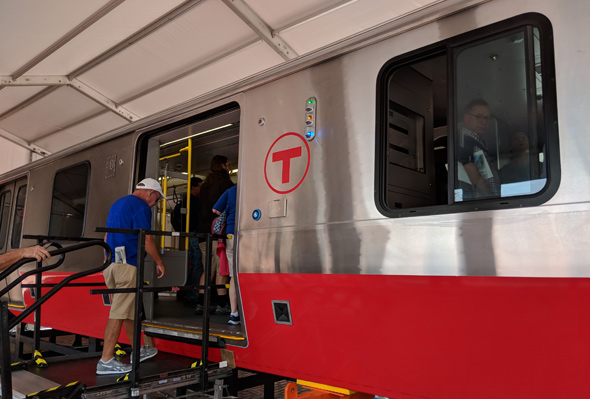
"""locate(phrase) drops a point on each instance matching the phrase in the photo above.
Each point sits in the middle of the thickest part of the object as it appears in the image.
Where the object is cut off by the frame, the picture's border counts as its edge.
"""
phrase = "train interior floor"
(172, 312)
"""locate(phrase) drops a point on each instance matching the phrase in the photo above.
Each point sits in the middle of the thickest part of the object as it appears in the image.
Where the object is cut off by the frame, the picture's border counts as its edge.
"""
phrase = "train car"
(367, 257)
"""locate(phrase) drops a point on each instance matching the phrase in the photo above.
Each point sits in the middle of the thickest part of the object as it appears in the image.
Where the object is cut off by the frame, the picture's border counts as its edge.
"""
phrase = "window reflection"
(464, 121)
(19, 215)
(4, 218)
(503, 72)
(68, 206)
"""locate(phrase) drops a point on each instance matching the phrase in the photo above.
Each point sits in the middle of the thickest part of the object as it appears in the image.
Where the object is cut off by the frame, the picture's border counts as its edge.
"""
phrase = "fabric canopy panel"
(74, 70)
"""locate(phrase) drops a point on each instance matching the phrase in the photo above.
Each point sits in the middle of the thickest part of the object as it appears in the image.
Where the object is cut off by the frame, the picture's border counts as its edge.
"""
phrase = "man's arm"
(10, 258)
(476, 179)
(152, 250)
(105, 252)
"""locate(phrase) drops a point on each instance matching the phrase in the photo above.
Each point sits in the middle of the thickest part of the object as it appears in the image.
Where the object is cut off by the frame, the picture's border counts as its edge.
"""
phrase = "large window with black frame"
(68, 204)
(469, 123)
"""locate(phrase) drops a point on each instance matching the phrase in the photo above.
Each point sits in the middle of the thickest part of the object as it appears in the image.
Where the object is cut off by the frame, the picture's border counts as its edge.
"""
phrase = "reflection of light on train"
(369, 257)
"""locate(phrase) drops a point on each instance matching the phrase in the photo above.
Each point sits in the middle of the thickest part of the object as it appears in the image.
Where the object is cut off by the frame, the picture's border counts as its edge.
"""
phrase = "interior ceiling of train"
(72, 70)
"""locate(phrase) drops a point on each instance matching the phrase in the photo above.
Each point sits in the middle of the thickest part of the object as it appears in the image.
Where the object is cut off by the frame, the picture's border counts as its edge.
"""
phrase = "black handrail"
(6, 325)
(61, 284)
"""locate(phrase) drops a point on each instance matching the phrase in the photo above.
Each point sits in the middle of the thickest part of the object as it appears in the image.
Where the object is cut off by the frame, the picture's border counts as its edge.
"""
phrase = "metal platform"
(174, 319)
(84, 370)
(163, 372)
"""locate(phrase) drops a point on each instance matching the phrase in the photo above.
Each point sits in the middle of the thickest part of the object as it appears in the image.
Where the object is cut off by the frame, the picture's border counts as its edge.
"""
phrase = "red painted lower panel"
(400, 336)
(424, 337)
(72, 308)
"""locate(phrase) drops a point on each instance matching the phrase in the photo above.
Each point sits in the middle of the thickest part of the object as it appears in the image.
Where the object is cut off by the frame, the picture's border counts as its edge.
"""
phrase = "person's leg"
(203, 247)
(214, 299)
(195, 268)
(222, 300)
(233, 296)
(117, 313)
(229, 253)
(128, 325)
(123, 275)
(111, 334)
(221, 280)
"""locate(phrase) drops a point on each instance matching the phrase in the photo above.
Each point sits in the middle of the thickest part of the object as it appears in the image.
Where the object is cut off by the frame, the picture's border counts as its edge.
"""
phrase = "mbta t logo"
(286, 163)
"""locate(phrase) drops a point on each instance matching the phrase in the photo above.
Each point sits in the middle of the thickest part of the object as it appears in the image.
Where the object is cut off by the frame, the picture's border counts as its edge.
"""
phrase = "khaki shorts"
(121, 275)
(214, 257)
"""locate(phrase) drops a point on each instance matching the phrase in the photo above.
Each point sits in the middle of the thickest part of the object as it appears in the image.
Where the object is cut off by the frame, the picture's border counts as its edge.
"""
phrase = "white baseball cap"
(150, 184)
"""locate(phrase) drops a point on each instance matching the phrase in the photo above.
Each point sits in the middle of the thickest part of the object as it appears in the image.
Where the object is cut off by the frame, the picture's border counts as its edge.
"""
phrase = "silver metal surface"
(331, 224)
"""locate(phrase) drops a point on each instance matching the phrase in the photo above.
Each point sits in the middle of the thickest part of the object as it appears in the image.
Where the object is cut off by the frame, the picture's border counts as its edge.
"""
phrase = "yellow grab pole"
(163, 210)
(188, 191)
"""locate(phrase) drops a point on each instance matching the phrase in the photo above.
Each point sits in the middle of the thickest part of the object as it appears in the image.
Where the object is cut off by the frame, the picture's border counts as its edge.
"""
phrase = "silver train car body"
(338, 207)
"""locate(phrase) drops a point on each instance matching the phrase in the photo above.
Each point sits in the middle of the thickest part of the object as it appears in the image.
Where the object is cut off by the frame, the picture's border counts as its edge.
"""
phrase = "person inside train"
(518, 169)
(474, 156)
(195, 268)
(227, 204)
(130, 212)
(215, 184)
(10, 258)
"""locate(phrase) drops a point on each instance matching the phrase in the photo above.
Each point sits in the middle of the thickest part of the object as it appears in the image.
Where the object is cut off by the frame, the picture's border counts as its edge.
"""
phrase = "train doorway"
(174, 154)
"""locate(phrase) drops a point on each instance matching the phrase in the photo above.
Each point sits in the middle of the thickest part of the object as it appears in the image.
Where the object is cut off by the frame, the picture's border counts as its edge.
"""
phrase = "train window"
(469, 122)
(4, 212)
(68, 205)
(19, 214)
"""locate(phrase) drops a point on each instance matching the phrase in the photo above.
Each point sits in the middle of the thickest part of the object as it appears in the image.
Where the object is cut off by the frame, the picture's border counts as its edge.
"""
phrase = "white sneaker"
(146, 353)
(113, 366)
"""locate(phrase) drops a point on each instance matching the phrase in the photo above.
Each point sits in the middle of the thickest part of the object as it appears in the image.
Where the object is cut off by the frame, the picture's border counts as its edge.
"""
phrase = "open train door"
(171, 152)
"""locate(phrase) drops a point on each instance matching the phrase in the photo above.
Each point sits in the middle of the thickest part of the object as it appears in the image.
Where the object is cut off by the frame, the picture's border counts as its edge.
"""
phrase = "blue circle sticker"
(256, 214)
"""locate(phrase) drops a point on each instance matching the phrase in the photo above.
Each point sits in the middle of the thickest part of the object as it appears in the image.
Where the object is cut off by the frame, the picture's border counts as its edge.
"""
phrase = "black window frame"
(89, 171)
(4, 218)
(445, 47)
(14, 237)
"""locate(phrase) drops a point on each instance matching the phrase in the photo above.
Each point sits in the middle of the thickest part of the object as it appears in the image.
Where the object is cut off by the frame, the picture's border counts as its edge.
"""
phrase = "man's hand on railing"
(37, 252)
(9, 258)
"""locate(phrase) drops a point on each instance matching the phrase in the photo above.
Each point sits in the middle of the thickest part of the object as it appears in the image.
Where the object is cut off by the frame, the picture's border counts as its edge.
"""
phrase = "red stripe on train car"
(424, 337)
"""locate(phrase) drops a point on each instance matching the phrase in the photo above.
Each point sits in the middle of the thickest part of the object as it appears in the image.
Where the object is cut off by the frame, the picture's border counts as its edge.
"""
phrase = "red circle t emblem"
(286, 163)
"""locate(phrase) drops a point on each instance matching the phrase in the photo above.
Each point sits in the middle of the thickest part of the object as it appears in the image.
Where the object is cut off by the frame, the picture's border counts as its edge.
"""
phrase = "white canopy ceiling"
(71, 70)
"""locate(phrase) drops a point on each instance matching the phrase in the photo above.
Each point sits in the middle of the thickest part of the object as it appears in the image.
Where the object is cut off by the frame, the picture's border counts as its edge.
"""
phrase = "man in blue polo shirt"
(130, 212)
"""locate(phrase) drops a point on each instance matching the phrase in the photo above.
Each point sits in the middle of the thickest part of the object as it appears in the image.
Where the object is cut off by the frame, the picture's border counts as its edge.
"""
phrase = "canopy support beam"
(103, 100)
(255, 23)
(51, 80)
(18, 141)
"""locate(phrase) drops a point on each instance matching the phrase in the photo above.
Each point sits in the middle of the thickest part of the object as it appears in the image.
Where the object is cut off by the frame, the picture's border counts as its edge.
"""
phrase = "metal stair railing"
(139, 290)
(6, 325)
